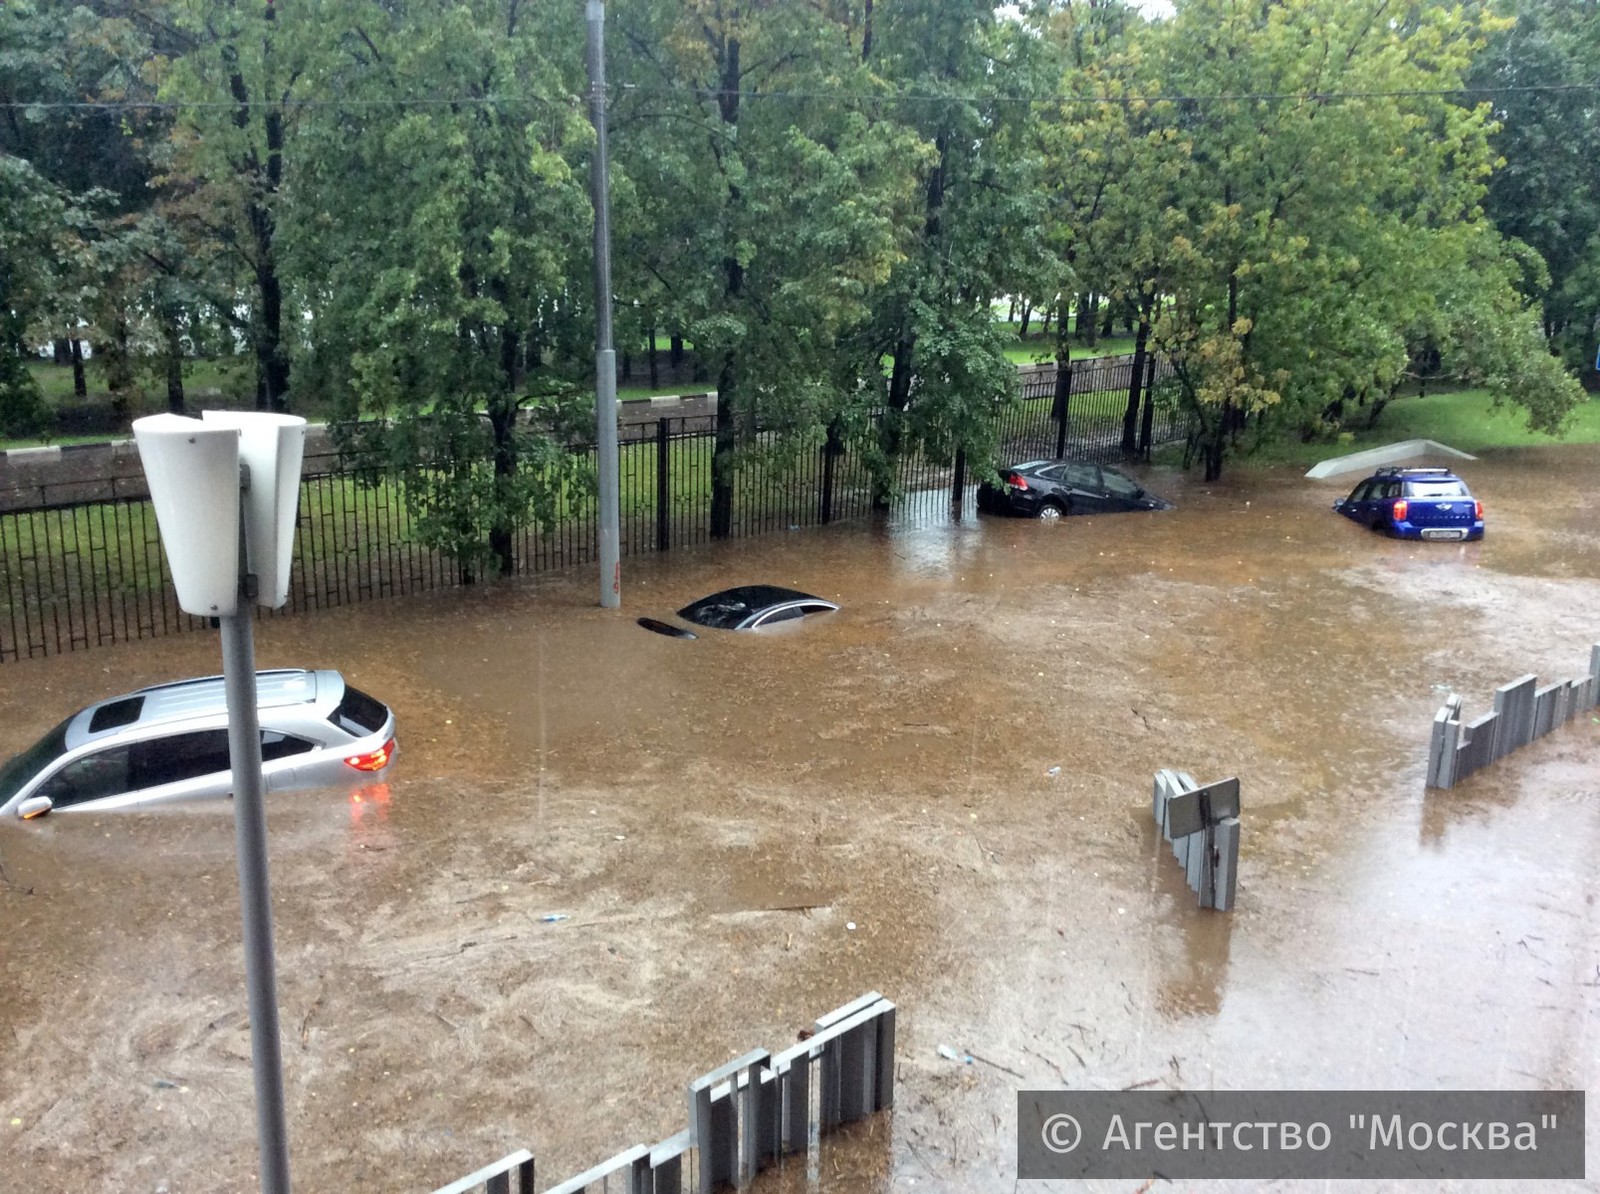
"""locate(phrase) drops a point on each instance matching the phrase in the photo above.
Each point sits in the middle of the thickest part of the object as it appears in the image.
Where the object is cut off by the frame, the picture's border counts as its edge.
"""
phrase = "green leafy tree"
(1115, 180)
(29, 256)
(954, 74)
(778, 197)
(1541, 71)
(440, 244)
(1322, 187)
(236, 81)
(65, 76)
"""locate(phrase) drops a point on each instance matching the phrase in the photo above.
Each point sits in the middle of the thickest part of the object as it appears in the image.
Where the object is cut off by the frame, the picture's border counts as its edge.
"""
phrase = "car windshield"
(17, 771)
(1436, 489)
(1119, 486)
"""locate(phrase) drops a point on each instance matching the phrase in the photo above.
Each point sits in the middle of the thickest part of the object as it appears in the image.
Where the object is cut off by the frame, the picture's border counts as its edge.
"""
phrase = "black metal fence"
(83, 574)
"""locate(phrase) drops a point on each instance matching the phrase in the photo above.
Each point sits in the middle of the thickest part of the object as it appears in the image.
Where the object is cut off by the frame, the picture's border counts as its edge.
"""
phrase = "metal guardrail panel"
(496, 1178)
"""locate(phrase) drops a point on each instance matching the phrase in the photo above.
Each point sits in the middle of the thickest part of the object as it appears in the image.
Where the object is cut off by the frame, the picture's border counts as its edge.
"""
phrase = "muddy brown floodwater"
(713, 814)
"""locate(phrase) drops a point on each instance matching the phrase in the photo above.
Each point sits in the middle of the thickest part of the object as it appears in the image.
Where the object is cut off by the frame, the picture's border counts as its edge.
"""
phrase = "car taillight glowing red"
(375, 760)
(1016, 481)
(1400, 508)
(1477, 511)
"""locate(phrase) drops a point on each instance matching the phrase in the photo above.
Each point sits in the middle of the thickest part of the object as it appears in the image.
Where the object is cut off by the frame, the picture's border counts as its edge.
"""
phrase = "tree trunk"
(172, 335)
(60, 353)
(1027, 314)
(263, 181)
(1214, 442)
(726, 444)
(119, 367)
(503, 422)
(722, 458)
(80, 384)
(1061, 408)
(502, 419)
(1130, 414)
(655, 365)
(831, 451)
(1088, 309)
(1147, 425)
(889, 429)
(676, 354)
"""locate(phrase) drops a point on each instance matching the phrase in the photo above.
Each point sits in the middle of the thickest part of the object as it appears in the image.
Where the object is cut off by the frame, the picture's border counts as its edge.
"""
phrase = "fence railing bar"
(89, 572)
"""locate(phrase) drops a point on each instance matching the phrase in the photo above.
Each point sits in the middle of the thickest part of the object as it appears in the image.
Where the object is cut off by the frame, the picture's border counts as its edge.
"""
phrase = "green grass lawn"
(224, 383)
(230, 383)
(202, 379)
(1042, 347)
(1462, 419)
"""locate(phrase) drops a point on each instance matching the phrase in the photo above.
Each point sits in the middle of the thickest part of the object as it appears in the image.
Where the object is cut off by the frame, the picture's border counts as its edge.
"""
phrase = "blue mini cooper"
(1415, 503)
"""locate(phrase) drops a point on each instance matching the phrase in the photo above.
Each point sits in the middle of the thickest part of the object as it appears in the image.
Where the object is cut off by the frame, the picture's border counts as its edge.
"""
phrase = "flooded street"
(713, 814)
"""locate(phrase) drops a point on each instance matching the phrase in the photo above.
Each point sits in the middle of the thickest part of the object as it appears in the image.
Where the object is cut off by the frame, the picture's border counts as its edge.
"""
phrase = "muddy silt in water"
(712, 814)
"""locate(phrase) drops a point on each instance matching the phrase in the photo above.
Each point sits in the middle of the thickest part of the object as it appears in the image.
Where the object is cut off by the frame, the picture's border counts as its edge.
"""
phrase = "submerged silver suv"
(170, 742)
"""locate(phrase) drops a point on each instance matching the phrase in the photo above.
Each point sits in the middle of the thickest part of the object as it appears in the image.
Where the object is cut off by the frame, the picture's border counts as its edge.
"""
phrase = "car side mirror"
(35, 806)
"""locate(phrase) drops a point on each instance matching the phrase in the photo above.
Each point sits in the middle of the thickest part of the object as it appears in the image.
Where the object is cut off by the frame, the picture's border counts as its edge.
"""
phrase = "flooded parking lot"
(713, 815)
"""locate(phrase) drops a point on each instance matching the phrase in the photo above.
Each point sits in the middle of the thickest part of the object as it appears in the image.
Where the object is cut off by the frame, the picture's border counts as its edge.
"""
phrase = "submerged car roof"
(749, 597)
(728, 609)
(206, 696)
(1408, 473)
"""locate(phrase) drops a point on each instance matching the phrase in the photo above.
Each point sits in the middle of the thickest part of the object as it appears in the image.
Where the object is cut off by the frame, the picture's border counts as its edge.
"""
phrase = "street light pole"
(250, 836)
(605, 357)
(226, 490)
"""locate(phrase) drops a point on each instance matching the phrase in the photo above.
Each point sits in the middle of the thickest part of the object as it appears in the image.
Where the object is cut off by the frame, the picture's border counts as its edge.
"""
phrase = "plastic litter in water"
(850, 925)
(550, 918)
(949, 1054)
(1053, 772)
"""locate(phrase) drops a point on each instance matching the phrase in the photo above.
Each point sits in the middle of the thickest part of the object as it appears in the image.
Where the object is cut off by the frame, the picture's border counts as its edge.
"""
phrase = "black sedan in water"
(744, 607)
(1054, 488)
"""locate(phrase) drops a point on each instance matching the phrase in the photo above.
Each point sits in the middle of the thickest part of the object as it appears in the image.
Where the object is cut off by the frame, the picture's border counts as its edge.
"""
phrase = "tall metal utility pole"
(226, 493)
(250, 833)
(605, 356)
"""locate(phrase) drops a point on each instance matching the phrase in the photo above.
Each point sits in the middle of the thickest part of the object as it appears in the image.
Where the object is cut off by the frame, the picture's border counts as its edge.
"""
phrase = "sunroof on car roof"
(114, 715)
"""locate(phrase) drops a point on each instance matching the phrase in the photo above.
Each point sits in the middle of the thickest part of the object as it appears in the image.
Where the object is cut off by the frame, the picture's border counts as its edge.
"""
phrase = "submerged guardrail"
(1523, 712)
(745, 1116)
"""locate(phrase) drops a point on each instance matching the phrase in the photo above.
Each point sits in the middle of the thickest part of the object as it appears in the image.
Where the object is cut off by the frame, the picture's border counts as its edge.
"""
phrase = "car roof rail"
(1407, 471)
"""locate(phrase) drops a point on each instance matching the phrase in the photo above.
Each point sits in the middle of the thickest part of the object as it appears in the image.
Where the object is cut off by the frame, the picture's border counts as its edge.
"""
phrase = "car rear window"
(18, 770)
(721, 611)
(359, 714)
(1436, 489)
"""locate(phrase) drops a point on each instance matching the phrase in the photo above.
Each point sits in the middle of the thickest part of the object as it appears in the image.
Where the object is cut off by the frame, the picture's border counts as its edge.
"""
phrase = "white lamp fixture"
(273, 447)
(193, 472)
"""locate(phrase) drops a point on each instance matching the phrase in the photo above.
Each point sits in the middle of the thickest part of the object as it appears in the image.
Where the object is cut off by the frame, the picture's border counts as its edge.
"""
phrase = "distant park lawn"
(1466, 420)
(1462, 419)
